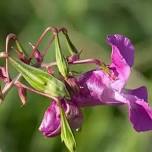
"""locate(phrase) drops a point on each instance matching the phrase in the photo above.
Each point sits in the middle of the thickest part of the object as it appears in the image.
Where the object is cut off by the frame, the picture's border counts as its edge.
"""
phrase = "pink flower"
(98, 87)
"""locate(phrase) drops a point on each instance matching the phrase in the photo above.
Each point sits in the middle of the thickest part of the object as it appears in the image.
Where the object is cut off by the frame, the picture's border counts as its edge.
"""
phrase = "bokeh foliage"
(105, 129)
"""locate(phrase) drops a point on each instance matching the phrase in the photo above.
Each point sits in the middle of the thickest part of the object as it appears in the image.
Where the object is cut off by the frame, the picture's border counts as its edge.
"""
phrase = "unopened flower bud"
(73, 58)
(51, 123)
(38, 56)
(21, 52)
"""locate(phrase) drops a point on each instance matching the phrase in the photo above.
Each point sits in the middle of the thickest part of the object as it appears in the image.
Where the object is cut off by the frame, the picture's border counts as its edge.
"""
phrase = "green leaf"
(66, 133)
(60, 59)
(1, 95)
(72, 49)
(40, 80)
(20, 48)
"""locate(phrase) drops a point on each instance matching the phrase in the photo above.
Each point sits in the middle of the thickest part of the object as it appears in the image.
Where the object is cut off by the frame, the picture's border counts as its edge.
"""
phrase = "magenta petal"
(122, 57)
(140, 92)
(50, 125)
(95, 89)
(140, 115)
(122, 48)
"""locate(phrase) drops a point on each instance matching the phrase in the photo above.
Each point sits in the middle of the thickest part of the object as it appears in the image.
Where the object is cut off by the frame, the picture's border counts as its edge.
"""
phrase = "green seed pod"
(40, 80)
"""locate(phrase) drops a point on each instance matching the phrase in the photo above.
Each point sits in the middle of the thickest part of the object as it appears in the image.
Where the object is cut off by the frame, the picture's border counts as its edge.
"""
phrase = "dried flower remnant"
(103, 85)
(3, 76)
(22, 92)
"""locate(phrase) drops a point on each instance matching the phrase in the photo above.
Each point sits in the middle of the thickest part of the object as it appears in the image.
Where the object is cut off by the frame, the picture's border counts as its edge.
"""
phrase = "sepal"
(66, 133)
(60, 59)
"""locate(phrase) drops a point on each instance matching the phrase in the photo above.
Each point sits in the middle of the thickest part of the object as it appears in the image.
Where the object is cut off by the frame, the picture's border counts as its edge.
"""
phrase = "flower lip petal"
(124, 45)
(140, 115)
(140, 92)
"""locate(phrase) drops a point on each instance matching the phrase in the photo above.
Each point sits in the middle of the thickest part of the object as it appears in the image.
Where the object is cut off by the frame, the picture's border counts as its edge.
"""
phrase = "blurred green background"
(105, 129)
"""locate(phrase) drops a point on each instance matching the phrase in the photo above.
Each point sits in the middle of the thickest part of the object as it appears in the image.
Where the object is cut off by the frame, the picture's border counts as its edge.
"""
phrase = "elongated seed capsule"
(40, 80)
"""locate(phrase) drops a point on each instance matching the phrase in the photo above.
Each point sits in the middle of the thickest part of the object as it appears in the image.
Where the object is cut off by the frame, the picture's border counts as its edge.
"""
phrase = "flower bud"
(21, 52)
(73, 58)
(51, 123)
(38, 56)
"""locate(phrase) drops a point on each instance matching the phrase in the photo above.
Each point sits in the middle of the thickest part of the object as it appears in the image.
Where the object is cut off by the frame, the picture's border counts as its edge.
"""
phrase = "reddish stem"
(8, 38)
(19, 84)
(49, 29)
(85, 61)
